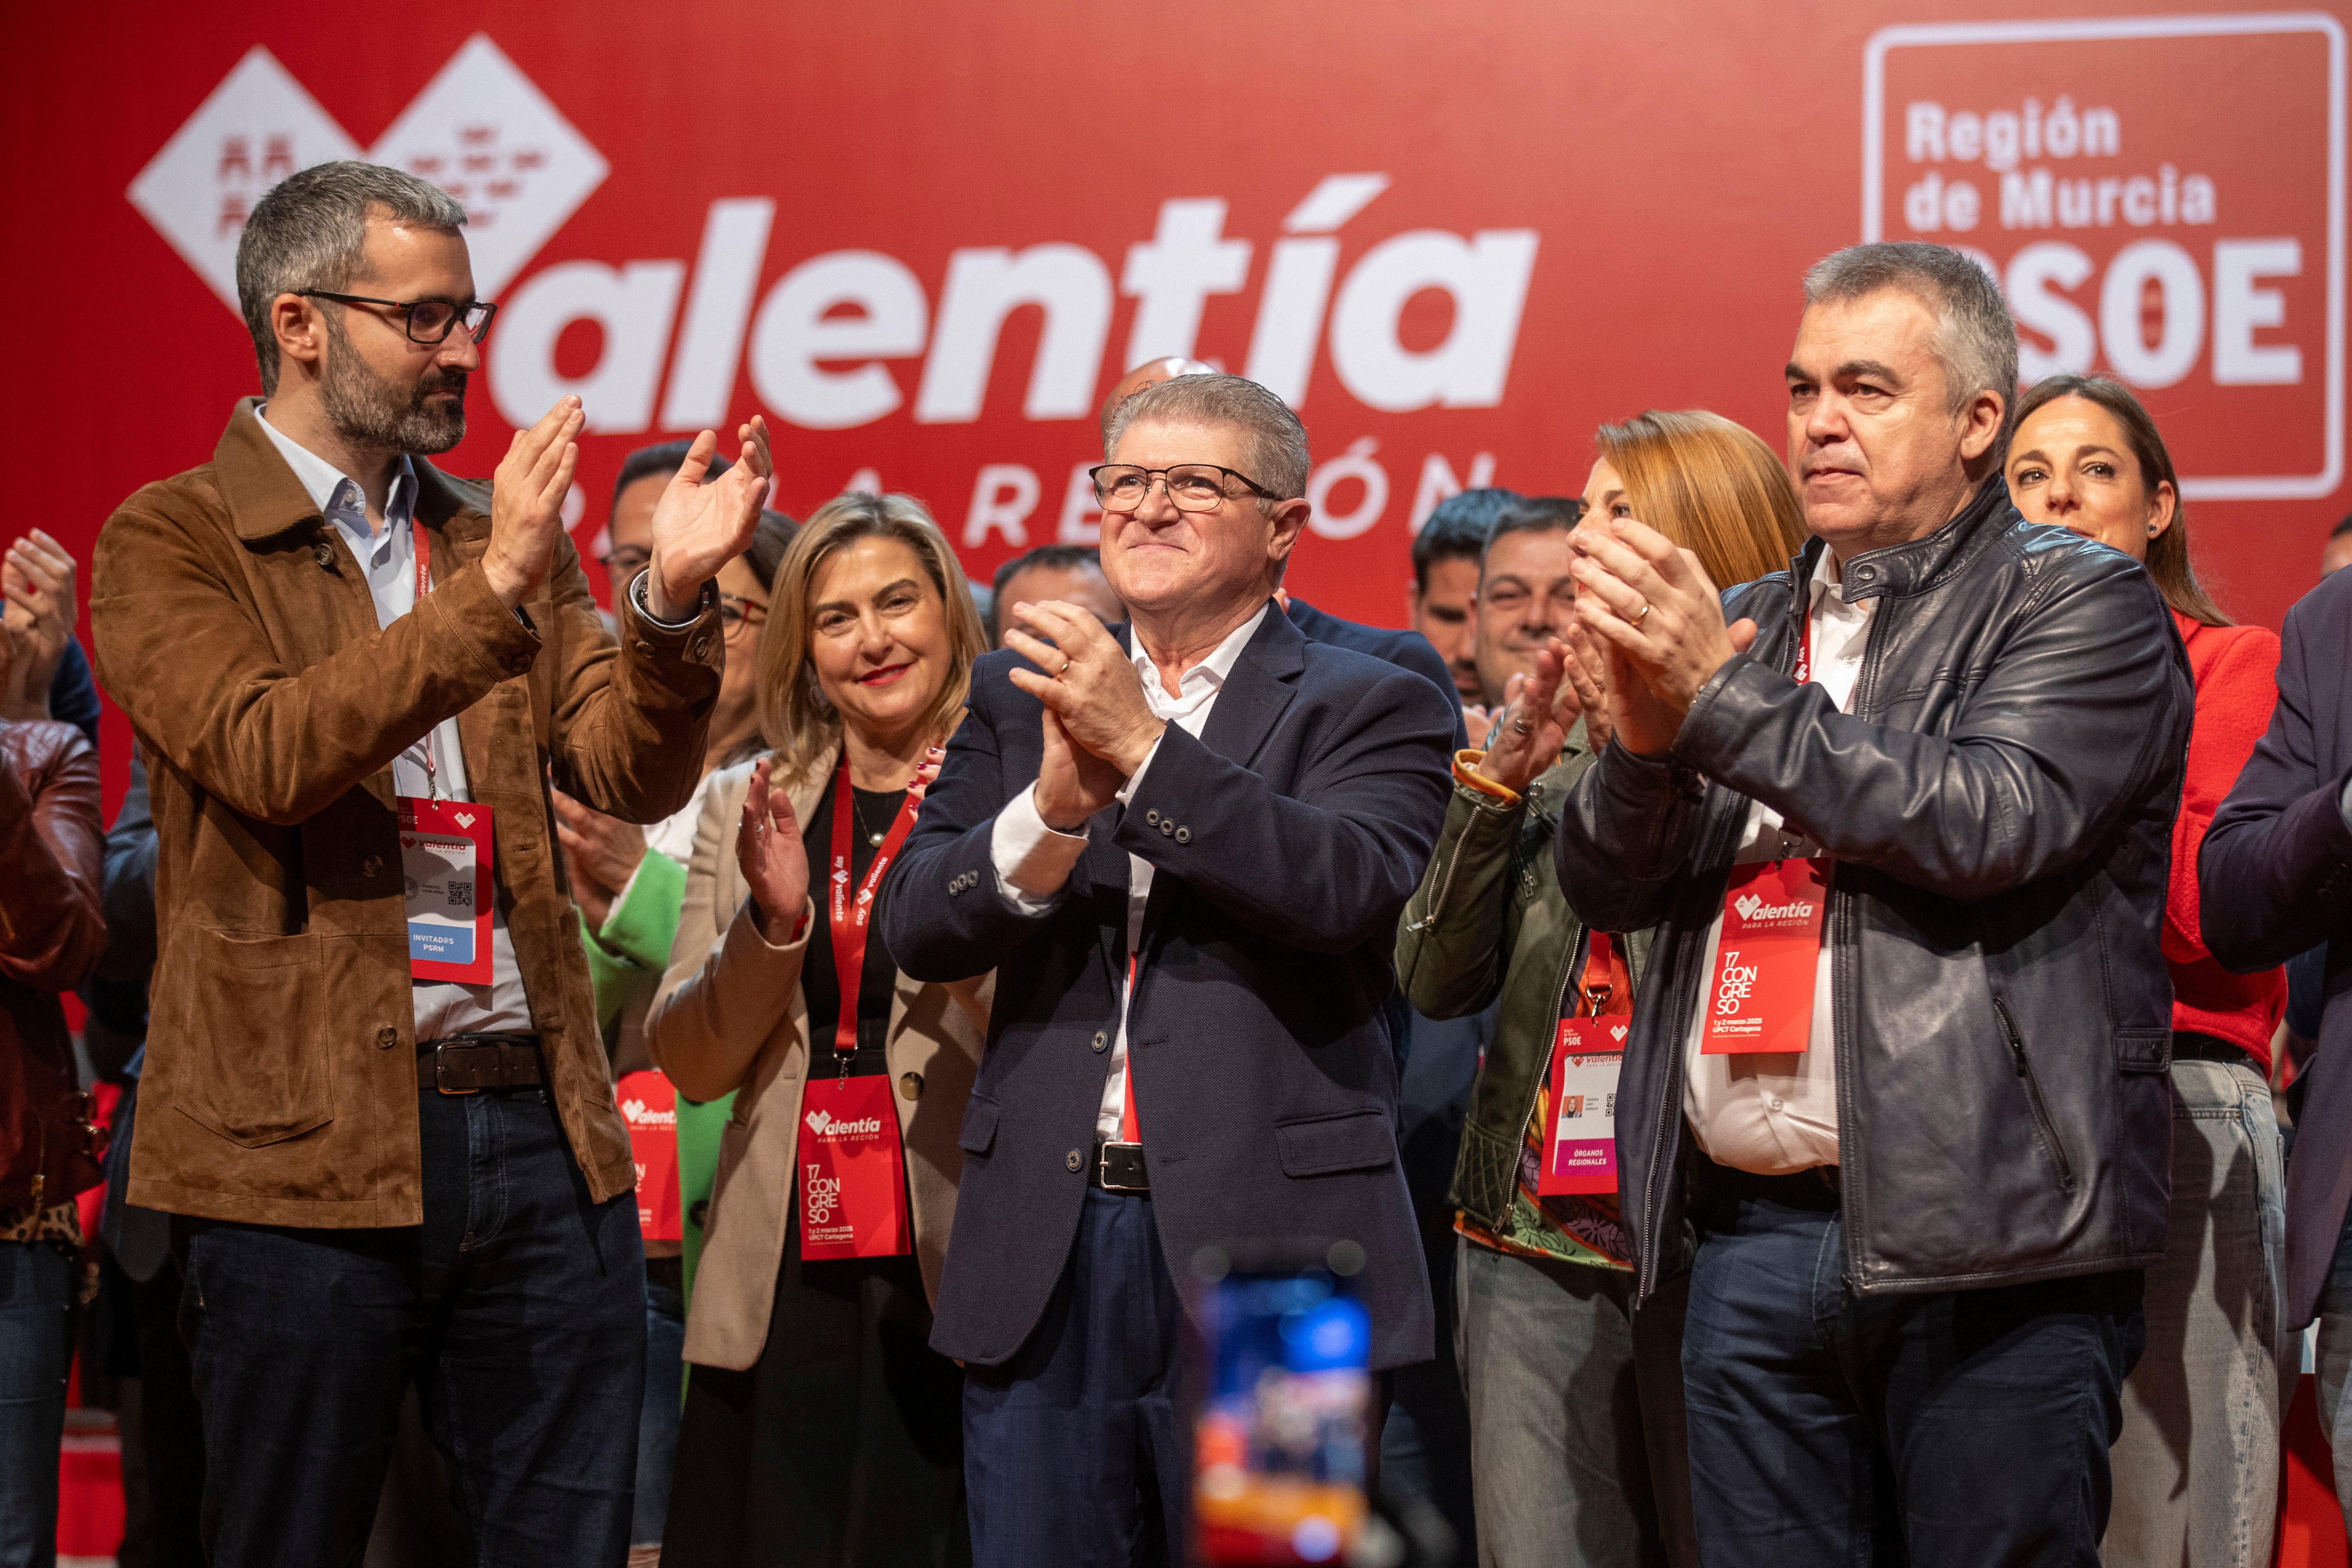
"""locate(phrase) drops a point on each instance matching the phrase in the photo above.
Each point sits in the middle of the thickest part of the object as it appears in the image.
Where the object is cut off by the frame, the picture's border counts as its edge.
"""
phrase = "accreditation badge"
(1760, 993)
(852, 1185)
(445, 861)
(1579, 1153)
(649, 1105)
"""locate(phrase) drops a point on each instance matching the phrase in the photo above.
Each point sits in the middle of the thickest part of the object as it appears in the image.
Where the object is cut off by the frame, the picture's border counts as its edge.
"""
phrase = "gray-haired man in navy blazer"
(1183, 846)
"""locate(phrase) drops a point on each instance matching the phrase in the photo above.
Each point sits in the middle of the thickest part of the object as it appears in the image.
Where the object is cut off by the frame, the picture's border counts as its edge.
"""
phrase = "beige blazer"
(731, 1016)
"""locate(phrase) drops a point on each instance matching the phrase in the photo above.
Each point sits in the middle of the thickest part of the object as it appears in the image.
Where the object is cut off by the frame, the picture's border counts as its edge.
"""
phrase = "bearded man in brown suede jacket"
(336, 656)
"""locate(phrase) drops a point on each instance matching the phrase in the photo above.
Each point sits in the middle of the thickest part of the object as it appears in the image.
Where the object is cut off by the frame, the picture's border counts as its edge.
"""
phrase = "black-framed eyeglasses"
(1193, 487)
(426, 322)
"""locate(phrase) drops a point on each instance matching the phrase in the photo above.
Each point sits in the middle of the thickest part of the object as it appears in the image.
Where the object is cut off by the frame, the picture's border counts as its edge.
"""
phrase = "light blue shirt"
(388, 561)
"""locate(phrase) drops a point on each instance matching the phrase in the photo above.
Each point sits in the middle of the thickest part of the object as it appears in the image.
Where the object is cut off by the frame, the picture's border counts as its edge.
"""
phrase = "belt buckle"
(439, 1086)
(1102, 1168)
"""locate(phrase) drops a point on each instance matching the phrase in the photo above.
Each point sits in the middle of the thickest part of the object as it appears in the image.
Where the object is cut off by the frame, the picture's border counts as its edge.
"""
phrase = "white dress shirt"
(388, 561)
(1776, 1113)
(1033, 861)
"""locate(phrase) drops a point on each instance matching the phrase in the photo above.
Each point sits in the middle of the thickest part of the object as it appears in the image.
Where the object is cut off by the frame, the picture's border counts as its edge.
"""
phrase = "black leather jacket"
(1999, 802)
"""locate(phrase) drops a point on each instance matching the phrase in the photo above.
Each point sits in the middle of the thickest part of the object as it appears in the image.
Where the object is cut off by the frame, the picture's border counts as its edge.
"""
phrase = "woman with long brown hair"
(820, 1427)
(2196, 1463)
(1576, 1430)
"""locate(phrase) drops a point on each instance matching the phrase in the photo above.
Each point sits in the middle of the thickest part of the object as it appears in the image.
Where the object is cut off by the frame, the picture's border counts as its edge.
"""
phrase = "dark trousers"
(518, 1309)
(171, 1429)
(1072, 1454)
(1969, 1428)
(841, 1447)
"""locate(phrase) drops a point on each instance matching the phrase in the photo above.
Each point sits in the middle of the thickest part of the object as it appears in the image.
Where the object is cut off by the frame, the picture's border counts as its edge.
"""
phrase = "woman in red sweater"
(2196, 1468)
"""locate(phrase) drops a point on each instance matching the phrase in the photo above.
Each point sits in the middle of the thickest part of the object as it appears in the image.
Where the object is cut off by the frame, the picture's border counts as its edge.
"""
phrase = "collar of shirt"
(1825, 580)
(1201, 682)
(339, 497)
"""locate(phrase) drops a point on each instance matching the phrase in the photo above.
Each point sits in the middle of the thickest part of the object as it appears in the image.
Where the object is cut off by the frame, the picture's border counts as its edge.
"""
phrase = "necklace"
(858, 815)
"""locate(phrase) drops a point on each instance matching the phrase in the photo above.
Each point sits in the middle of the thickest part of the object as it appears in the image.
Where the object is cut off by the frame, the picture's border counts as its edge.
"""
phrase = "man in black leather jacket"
(1920, 1236)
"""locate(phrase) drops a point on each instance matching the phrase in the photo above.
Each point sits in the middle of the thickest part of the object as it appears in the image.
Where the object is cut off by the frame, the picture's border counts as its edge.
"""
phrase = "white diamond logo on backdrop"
(483, 131)
(480, 130)
(258, 127)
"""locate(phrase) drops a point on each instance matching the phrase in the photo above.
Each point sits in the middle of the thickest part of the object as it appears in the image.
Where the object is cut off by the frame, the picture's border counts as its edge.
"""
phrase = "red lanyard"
(1605, 988)
(1804, 670)
(425, 586)
(851, 917)
(1129, 1130)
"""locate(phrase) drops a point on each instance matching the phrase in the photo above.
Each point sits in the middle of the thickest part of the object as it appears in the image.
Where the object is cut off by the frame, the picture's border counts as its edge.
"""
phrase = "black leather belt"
(468, 1064)
(1118, 1168)
(1820, 1189)
(2189, 1047)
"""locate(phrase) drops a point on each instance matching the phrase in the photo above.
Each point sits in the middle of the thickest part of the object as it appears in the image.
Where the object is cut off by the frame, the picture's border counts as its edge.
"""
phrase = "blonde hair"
(795, 715)
(1712, 487)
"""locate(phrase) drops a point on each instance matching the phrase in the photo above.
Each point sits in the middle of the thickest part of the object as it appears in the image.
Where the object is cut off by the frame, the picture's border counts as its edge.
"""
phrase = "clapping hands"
(36, 582)
(699, 527)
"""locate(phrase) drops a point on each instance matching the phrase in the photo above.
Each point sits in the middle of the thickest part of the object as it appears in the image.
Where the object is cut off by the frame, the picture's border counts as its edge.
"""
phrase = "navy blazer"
(2275, 878)
(1405, 649)
(1285, 840)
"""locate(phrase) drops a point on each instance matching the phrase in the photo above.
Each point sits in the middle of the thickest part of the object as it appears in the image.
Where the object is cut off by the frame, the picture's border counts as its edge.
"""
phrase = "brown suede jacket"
(51, 931)
(237, 632)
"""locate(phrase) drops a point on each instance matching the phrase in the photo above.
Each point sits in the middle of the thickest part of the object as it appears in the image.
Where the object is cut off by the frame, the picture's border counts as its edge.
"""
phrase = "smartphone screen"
(1278, 1440)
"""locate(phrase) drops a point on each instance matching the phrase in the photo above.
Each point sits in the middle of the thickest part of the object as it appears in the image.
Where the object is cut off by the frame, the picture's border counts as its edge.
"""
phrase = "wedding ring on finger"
(1641, 614)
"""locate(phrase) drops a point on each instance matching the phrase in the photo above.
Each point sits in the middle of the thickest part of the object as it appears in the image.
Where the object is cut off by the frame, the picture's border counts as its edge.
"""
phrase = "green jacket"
(626, 962)
(1489, 919)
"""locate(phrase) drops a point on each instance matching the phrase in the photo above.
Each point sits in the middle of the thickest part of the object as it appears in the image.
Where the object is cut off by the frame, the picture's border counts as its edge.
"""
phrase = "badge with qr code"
(445, 864)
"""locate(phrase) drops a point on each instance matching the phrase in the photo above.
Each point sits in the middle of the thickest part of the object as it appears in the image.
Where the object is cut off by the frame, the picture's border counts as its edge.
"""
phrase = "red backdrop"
(925, 240)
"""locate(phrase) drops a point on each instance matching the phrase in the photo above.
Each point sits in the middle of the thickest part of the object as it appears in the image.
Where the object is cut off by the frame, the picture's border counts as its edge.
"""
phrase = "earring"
(2151, 531)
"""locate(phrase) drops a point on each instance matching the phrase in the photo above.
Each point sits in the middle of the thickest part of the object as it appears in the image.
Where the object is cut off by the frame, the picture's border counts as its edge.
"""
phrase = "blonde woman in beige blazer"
(820, 1427)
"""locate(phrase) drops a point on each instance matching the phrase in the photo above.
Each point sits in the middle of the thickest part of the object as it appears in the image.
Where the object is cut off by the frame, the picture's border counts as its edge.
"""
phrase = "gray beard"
(369, 412)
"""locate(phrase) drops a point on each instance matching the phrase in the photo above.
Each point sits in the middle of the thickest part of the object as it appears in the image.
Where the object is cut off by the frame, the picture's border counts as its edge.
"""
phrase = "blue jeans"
(1961, 1430)
(657, 1421)
(1071, 1451)
(518, 1307)
(36, 1300)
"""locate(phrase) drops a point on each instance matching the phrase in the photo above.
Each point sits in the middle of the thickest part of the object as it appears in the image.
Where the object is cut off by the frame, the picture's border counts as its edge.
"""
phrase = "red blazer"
(2236, 671)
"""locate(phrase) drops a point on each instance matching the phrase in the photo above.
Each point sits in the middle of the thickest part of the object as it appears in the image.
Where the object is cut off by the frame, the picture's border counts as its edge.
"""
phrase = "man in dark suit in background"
(1244, 811)
(2274, 879)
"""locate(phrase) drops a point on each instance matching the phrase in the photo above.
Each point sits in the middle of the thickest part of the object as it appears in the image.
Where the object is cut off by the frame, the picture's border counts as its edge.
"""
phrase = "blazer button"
(698, 650)
(1151, 818)
(1074, 1160)
(1102, 1040)
(324, 554)
(386, 1037)
(371, 865)
(910, 1086)
(1183, 835)
(1167, 829)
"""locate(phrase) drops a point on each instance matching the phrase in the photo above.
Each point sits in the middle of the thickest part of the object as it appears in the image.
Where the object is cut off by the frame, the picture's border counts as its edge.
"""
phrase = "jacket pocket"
(1355, 1141)
(2040, 1109)
(2144, 1051)
(253, 1063)
(979, 1126)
